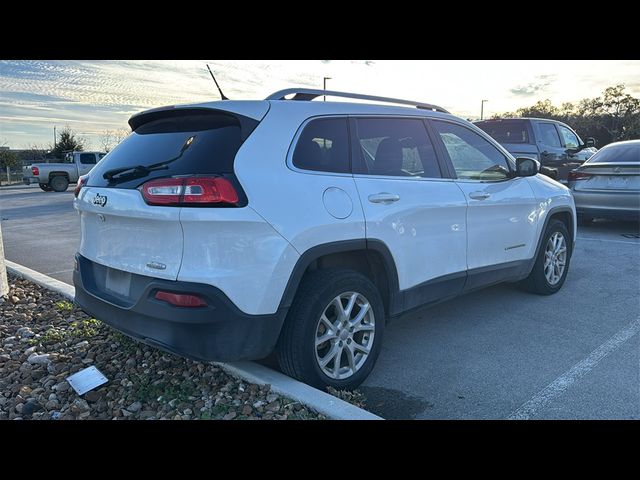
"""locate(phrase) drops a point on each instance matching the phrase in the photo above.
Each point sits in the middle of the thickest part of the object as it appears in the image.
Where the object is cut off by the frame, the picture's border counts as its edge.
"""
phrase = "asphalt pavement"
(493, 354)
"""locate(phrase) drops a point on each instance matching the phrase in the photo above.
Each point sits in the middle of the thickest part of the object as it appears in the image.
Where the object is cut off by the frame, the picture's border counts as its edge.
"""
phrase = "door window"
(549, 134)
(88, 158)
(570, 139)
(397, 147)
(473, 157)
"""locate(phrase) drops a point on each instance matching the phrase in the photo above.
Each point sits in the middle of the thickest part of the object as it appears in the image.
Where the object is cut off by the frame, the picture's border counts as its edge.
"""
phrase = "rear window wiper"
(117, 172)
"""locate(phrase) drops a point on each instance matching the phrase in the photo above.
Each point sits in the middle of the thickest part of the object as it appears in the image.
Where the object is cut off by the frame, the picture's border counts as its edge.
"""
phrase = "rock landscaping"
(44, 338)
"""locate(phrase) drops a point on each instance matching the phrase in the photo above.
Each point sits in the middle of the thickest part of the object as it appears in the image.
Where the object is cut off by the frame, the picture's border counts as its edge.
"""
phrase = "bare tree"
(107, 140)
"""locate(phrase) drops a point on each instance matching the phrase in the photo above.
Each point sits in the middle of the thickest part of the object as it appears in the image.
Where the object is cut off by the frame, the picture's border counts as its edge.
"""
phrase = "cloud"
(540, 84)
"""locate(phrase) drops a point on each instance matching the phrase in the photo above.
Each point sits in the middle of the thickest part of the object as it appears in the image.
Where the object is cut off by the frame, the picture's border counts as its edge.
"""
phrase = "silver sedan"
(608, 184)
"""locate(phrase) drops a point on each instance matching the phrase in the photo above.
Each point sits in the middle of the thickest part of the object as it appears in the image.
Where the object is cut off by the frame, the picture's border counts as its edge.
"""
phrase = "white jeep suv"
(227, 230)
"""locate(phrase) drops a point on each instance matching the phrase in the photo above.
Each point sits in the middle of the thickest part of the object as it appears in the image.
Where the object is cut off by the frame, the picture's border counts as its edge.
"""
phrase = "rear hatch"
(512, 134)
(119, 228)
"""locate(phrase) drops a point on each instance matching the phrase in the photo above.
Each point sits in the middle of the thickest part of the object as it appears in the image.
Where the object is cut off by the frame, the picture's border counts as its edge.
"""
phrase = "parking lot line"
(580, 369)
(607, 240)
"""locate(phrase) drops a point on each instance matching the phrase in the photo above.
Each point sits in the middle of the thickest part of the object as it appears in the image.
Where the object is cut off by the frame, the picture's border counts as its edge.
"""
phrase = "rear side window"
(323, 146)
(192, 144)
(506, 131)
(396, 147)
(549, 134)
(87, 158)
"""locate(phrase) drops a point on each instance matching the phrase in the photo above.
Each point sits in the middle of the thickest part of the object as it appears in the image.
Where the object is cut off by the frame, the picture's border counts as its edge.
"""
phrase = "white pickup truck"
(58, 176)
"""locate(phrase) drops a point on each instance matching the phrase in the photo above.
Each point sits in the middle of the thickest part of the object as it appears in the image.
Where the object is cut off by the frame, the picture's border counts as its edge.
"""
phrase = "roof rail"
(309, 94)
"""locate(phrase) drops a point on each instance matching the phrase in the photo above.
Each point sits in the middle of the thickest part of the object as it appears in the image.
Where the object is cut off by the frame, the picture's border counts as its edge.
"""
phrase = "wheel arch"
(58, 173)
(371, 258)
(566, 215)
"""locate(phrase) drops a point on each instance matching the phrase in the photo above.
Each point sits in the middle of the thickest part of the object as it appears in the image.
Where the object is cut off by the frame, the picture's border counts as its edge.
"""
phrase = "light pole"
(482, 108)
(324, 86)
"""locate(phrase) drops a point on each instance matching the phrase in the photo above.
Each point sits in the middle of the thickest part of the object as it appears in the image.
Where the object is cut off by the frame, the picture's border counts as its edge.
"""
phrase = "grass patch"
(78, 330)
(64, 306)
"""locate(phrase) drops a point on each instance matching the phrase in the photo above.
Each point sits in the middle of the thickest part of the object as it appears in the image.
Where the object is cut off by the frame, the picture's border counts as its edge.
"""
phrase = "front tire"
(59, 184)
(552, 263)
(333, 331)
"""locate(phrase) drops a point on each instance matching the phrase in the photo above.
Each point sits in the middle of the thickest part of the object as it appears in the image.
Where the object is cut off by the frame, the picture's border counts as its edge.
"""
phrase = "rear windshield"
(506, 131)
(193, 144)
(617, 153)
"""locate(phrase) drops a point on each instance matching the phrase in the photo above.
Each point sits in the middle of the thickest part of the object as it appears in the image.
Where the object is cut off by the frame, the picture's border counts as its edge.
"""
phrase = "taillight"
(82, 181)
(189, 191)
(180, 299)
(578, 175)
(35, 171)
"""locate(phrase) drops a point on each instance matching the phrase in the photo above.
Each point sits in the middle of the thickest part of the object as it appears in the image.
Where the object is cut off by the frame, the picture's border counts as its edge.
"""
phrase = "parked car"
(608, 184)
(225, 230)
(554, 144)
(58, 176)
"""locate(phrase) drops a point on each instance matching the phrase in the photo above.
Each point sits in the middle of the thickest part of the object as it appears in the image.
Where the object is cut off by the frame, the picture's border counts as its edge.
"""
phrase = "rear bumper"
(30, 180)
(607, 204)
(218, 332)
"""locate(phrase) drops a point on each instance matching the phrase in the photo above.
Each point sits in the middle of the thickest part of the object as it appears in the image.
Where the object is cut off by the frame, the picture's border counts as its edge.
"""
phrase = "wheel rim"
(555, 258)
(344, 335)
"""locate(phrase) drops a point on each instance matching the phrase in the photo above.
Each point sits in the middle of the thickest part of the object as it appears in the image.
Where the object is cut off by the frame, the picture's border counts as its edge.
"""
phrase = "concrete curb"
(41, 279)
(320, 401)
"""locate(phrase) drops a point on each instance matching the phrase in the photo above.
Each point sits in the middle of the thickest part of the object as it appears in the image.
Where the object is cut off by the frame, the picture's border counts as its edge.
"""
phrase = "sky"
(93, 97)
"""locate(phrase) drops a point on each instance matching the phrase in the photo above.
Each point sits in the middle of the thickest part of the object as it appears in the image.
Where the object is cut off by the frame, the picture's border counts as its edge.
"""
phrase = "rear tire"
(59, 184)
(353, 336)
(552, 263)
(584, 220)
(45, 187)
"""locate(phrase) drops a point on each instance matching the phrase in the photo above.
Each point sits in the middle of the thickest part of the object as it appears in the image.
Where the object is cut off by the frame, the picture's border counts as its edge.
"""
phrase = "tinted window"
(549, 134)
(87, 158)
(395, 147)
(100, 155)
(473, 157)
(203, 143)
(506, 131)
(617, 153)
(570, 138)
(323, 146)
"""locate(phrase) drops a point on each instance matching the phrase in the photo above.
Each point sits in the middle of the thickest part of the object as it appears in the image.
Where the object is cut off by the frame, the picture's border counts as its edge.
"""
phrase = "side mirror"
(590, 142)
(527, 167)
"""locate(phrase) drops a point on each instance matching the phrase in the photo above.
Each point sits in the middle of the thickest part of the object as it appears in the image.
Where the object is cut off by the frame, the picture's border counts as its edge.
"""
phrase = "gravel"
(44, 339)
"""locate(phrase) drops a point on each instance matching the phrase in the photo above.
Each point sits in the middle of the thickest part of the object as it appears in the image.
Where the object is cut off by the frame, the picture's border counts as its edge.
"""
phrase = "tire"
(59, 183)
(296, 351)
(584, 221)
(538, 281)
(45, 187)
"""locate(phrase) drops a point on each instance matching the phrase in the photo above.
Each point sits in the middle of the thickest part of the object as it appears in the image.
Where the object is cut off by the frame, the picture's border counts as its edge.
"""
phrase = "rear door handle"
(479, 195)
(384, 197)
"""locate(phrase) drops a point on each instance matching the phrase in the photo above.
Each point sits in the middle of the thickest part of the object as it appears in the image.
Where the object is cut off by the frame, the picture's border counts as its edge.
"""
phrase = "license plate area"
(118, 282)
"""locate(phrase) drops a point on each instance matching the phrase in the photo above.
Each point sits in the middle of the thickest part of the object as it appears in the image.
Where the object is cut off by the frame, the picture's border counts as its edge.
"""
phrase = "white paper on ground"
(86, 380)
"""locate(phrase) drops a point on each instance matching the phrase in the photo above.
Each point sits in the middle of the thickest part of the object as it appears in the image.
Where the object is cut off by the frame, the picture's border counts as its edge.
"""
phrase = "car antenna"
(216, 82)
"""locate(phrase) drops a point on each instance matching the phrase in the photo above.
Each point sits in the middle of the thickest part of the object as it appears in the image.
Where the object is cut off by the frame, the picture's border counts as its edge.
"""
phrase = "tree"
(612, 117)
(8, 159)
(67, 141)
(110, 138)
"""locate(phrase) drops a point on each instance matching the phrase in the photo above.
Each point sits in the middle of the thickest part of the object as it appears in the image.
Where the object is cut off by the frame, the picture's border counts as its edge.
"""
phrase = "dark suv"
(554, 144)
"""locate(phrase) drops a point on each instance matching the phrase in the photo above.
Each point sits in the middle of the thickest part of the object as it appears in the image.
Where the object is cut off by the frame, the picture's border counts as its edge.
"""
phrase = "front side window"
(87, 158)
(473, 157)
(323, 146)
(570, 138)
(396, 147)
(549, 134)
